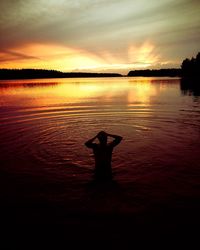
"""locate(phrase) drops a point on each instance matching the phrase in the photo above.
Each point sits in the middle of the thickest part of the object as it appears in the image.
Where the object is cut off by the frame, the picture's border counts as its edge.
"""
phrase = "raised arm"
(90, 143)
(116, 141)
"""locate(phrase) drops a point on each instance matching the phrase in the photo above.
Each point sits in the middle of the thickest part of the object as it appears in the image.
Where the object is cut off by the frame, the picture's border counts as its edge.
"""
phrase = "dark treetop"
(41, 73)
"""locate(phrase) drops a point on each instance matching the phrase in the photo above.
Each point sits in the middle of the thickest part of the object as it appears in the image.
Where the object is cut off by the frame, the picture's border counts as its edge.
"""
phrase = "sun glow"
(49, 56)
(143, 56)
(63, 58)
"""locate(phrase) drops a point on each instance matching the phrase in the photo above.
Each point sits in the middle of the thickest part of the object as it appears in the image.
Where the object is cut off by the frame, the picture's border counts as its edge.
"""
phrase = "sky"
(98, 35)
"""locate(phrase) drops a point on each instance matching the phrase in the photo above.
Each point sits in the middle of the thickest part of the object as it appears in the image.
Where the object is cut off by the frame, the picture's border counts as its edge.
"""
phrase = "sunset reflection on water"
(55, 116)
(55, 91)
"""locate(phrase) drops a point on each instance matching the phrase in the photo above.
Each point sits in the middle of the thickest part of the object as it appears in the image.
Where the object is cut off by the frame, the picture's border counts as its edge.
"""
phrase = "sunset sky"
(98, 35)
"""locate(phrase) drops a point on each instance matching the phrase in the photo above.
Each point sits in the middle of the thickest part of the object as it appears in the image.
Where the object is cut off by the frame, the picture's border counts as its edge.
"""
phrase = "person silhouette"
(103, 154)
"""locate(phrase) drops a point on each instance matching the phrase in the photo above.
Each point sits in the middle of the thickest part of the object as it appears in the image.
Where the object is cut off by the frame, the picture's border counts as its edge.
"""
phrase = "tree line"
(43, 73)
(191, 67)
(156, 72)
(190, 81)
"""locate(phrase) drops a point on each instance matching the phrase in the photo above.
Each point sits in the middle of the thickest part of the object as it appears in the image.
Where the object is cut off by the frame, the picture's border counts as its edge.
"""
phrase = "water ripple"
(52, 136)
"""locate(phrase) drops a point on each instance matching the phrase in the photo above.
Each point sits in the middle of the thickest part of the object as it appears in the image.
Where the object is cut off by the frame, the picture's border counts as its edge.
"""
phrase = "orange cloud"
(50, 56)
(143, 56)
(63, 58)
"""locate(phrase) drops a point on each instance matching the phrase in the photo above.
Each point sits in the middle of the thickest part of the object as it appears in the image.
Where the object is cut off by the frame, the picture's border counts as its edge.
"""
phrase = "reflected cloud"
(29, 84)
(128, 92)
(141, 92)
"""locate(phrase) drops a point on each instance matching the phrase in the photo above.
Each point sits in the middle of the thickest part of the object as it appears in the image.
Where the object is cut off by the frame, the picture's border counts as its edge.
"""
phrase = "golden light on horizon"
(51, 56)
(63, 58)
(143, 55)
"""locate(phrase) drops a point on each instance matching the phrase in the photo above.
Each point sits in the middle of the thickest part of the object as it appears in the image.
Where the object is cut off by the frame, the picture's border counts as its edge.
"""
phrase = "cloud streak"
(6, 55)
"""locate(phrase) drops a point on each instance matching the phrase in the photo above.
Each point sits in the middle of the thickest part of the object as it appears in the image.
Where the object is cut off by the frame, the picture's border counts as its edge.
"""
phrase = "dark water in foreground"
(47, 173)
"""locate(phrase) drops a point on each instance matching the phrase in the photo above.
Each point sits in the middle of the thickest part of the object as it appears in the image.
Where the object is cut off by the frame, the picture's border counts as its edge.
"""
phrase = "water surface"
(45, 122)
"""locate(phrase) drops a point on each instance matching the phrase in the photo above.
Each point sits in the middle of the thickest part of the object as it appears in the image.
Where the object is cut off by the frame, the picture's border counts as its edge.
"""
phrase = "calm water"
(44, 124)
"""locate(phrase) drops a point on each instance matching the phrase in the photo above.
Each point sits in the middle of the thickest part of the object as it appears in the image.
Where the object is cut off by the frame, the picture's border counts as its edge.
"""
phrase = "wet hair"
(102, 136)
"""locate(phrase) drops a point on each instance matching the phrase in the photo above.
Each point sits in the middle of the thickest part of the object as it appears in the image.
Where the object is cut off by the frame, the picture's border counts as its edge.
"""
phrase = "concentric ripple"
(47, 126)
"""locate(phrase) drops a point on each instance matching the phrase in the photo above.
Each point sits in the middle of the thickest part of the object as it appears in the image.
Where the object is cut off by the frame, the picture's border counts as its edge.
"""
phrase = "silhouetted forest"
(155, 72)
(190, 81)
(40, 73)
(191, 67)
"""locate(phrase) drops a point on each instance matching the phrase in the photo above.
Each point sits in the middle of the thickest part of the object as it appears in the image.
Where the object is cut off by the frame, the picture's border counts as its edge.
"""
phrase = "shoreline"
(8, 74)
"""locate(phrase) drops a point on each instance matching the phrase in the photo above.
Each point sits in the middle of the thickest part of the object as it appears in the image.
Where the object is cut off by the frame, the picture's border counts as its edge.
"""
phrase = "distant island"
(190, 68)
(43, 73)
(156, 72)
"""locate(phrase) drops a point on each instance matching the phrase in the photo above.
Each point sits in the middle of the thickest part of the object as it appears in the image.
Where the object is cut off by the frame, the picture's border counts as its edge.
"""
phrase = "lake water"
(45, 122)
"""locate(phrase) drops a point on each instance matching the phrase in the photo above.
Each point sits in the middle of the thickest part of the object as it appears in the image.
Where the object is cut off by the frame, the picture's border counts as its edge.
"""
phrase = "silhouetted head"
(102, 136)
